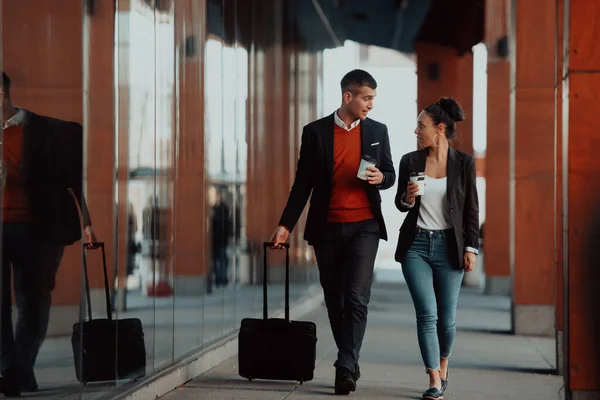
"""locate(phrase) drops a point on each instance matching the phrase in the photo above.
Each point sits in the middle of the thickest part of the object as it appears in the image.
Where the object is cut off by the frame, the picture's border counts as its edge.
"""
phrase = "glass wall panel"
(42, 112)
(145, 135)
(174, 140)
(190, 229)
(220, 76)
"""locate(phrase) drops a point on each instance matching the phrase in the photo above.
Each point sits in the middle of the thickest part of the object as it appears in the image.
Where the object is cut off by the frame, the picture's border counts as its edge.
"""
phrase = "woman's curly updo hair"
(446, 111)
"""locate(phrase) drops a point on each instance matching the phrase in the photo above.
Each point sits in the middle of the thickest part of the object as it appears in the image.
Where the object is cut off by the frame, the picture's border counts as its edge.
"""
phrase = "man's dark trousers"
(346, 259)
(34, 266)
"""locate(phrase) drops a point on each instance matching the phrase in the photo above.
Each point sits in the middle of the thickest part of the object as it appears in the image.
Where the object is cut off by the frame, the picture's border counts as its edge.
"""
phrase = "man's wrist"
(284, 227)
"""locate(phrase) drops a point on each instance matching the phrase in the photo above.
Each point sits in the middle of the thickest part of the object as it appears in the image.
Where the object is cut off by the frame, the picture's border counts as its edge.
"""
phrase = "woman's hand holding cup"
(412, 190)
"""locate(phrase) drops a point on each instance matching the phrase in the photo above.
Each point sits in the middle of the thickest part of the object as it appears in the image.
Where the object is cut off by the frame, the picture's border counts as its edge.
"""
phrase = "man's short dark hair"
(356, 79)
(5, 82)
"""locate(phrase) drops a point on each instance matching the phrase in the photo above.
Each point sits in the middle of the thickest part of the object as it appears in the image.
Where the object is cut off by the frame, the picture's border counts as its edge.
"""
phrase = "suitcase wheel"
(250, 379)
(301, 382)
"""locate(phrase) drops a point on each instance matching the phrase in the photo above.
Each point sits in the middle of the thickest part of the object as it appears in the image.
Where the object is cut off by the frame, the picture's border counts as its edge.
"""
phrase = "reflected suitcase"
(277, 348)
(107, 349)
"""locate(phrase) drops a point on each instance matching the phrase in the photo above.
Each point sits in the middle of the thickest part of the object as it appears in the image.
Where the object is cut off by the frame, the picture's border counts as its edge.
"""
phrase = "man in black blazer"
(344, 222)
(42, 187)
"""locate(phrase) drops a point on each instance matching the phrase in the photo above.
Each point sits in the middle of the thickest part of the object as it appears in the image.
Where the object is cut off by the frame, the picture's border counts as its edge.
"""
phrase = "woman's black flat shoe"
(434, 393)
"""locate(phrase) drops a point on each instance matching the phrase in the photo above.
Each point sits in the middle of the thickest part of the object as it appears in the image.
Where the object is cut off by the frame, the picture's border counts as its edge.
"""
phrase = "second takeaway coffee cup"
(419, 179)
(365, 162)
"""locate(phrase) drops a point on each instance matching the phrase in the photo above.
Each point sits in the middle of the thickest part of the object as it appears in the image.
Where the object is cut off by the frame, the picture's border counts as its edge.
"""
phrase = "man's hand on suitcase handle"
(92, 245)
(280, 236)
(90, 238)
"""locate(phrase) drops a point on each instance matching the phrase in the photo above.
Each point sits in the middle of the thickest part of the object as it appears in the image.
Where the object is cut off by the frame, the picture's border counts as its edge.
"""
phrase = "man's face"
(361, 102)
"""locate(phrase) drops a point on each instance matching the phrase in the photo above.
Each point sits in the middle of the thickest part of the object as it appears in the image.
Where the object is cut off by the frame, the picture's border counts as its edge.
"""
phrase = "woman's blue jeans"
(434, 284)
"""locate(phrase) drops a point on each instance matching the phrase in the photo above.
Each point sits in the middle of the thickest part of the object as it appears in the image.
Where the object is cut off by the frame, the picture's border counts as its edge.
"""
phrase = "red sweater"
(349, 200)
(15, 204)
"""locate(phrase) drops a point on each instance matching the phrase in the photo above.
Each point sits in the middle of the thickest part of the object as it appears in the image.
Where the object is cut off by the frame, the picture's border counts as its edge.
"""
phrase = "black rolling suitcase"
(107, 349)
(277, 348)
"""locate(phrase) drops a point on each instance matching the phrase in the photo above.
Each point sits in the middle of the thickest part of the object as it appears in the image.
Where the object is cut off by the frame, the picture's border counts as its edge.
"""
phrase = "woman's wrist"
(471, 250)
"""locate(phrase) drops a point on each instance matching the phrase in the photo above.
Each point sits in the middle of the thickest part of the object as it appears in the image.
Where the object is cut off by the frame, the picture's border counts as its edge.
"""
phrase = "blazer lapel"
(31, 146)
(327, 137)
(366, 136)
(418, 160)
(453, 170)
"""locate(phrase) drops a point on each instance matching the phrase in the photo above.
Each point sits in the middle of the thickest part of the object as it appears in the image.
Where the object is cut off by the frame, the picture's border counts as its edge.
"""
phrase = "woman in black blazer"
(439, 238)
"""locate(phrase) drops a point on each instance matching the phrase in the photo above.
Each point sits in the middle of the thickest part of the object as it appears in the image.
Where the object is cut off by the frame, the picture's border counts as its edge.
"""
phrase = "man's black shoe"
(344, 381)
(356, 374)
(10, 383)
(28, 381)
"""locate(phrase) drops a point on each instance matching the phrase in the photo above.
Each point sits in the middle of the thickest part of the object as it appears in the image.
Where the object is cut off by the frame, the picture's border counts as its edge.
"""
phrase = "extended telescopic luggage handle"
(93, 246)
(266, 245)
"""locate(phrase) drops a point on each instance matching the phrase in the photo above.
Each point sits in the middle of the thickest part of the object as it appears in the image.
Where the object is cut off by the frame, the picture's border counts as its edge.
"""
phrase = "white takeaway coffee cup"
(365, 162)
(419, 179)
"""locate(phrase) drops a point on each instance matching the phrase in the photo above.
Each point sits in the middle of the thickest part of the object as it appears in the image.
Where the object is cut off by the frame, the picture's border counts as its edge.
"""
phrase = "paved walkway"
(487, 361)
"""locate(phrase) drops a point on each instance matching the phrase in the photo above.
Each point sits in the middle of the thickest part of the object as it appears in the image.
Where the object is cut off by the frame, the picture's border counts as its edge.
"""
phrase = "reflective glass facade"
(189, 118)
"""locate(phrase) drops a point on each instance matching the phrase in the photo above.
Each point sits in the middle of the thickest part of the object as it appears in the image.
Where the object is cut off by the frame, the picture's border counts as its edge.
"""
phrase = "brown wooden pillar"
(34, 54)
(532, 168)
(280, 103)
(442, 72)
(581, 191)
(44, 63)
(269, 157)
(558, 195)
(121, 156)
(496, 241)
(307, 68)
(278, 141)
(256, 163)
(99, 128)
(190, 204)
(42, 52)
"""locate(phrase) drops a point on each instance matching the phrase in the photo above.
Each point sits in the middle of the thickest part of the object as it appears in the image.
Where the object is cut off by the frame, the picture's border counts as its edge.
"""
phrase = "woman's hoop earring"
(434, 136)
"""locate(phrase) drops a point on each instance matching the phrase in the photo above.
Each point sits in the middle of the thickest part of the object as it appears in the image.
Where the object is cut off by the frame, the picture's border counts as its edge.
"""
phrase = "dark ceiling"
(315, 25)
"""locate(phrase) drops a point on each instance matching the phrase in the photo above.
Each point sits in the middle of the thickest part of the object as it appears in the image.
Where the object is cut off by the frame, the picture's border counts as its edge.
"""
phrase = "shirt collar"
(342, 124)
(17, 119)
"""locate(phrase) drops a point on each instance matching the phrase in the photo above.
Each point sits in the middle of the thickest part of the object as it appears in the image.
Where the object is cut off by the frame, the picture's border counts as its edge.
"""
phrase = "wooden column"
(558, 194)
(268, 132)
(442, 72)
(496, 241)
(42, 53)
(532, 168)
(581, 85)
(99, 128)
(277, 109)
(190, 208)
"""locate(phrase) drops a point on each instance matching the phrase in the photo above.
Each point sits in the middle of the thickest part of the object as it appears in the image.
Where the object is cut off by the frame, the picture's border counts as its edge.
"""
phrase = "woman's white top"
(434, 213)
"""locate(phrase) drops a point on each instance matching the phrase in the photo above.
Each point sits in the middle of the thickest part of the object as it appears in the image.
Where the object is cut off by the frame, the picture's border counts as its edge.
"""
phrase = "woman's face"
(426, 131)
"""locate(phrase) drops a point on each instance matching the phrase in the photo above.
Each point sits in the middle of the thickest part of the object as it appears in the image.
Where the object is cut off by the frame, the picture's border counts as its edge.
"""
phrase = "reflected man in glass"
(42, 208)
(222, 233)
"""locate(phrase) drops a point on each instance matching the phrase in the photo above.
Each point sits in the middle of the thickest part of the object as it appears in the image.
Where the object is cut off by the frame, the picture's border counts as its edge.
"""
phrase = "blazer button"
(452, 209)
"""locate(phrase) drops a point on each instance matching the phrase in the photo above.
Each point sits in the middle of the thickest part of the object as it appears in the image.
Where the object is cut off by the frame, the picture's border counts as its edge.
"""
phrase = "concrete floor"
(487, 362)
